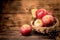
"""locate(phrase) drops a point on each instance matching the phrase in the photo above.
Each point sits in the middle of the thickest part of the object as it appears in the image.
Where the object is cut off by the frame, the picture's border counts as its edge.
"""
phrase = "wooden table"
(10, 31)
(13, 33)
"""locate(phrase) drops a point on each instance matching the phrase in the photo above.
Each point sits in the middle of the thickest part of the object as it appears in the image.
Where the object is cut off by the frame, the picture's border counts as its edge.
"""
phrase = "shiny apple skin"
(25, 29)
(38, 23)
(40, 13)
(48, 19)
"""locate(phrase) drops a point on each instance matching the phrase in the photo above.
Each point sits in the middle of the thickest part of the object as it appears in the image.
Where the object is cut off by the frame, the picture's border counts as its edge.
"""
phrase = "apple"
(49, 13)
(33, 11)
(47, 19)
(25, 29)
(40, 13)
(38, 22)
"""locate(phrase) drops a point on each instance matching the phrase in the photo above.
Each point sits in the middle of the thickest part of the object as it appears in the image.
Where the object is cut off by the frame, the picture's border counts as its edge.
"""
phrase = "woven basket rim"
(52, 27)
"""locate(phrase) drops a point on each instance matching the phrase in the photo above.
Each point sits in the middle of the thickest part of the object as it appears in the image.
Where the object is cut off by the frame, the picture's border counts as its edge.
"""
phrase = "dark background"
(15, 13)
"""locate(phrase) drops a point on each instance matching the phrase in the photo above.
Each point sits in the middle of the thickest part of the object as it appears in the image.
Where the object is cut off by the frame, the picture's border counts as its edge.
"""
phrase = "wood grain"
(17, 12)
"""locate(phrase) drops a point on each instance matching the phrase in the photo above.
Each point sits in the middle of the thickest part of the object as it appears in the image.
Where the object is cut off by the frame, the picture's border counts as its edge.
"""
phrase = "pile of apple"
(43, 17)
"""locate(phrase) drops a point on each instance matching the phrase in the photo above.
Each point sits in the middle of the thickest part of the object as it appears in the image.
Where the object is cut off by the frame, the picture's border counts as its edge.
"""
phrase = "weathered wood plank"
(15, 13)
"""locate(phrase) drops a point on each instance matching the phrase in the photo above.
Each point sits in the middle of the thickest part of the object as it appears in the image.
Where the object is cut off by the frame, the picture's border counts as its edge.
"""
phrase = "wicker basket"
(45, 29)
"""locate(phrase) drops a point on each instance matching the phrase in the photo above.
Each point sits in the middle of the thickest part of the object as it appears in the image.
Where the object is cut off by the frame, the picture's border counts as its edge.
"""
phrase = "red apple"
(40, 13)
(38, 22)
(25, 29)
(47, 19)
(49, 13)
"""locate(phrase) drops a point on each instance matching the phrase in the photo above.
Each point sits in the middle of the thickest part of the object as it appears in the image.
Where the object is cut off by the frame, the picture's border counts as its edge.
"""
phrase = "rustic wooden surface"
(17, 12)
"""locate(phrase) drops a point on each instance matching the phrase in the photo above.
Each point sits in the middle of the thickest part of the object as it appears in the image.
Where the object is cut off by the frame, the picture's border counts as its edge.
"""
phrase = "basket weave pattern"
(45, 29)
